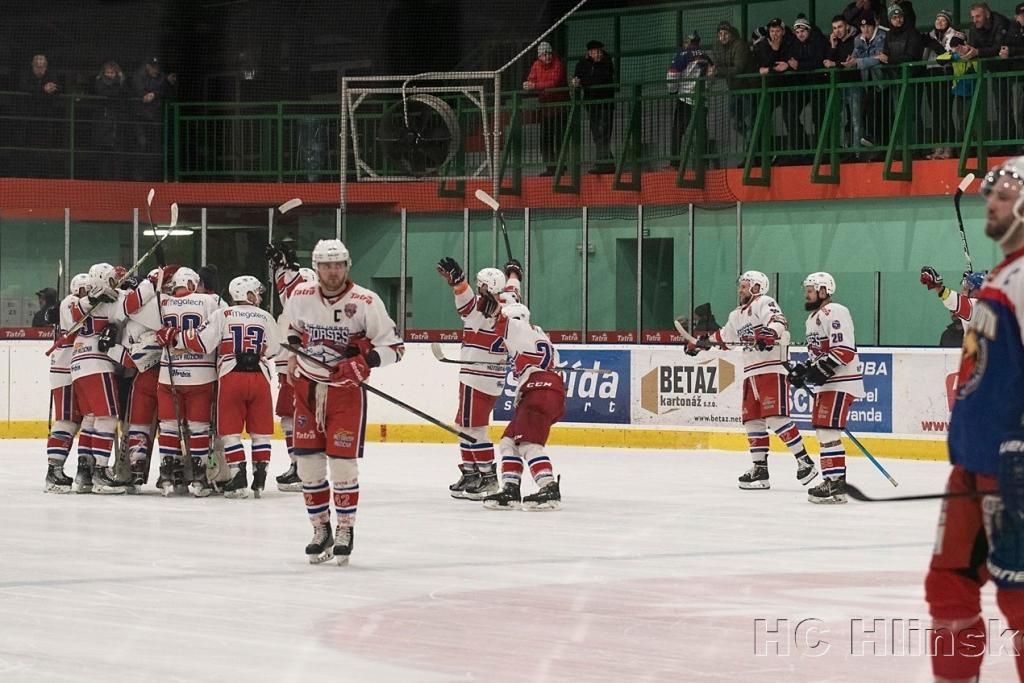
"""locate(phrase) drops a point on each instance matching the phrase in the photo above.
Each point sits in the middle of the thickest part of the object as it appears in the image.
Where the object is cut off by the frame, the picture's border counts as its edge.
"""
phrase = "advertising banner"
(924, 391)
(672, 388)
(872, 413)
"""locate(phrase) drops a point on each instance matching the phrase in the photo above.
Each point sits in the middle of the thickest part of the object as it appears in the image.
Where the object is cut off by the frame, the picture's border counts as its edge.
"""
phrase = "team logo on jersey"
(836, 325)
(974, 356)
(344, 438)
(301, 421)
(350, 310)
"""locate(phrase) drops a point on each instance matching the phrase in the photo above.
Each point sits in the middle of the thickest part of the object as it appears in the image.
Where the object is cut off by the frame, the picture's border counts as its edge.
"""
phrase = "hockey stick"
(435, 348)
(496, 208)
(870, 457)
(284, 208)
(961, 188)
(56, 336)
(387, 397)
(857, 494)
(693, 340)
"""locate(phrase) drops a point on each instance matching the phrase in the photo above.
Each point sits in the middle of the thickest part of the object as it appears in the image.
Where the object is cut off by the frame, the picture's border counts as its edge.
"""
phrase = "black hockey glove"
(514, 267)
(931, 279)
(821, 370)
(798, 374)
(451, 271)
(487, 304)
(281, 255)
(107, 338)
(129, 283)
(703, 343)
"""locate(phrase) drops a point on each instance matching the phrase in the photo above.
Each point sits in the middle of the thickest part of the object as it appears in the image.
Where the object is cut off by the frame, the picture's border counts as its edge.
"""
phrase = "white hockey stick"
(689, 338)
(961, 188)
(435, 348)
(496, 208)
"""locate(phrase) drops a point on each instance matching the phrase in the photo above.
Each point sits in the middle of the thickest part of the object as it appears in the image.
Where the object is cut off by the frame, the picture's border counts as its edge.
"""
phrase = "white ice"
(656, 569)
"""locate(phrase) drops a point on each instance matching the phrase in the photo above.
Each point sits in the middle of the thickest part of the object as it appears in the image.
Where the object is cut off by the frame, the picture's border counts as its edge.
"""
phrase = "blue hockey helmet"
(975, 280)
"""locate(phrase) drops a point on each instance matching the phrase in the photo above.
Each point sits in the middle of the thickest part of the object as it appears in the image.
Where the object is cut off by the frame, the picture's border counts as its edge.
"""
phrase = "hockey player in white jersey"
(66, 418)
(759, 325)
(479, 385)
(245, 338)
(959, 304)
(347, 327)
(834, 369)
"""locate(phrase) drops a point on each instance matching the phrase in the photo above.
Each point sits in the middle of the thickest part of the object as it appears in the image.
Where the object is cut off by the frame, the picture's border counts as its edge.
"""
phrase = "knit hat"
(595, 45)
(945, 13)
(693, 38)
(868, 19)
(895, 11)
(1019, 9)
(544, 48)
(802, 22)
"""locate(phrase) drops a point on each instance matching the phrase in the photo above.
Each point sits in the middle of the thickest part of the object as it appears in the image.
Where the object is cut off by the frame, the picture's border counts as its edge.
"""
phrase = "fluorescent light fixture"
(174, 232)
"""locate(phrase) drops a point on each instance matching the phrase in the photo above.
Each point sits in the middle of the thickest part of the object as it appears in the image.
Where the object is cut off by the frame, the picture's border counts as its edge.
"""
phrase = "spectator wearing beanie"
(940, 95)
(548, 73)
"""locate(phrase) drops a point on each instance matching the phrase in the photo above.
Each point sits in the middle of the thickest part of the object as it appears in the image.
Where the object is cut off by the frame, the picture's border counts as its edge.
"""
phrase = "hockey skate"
(83, 478)
(755, 478)
(103, 482)
(236, 487)
(170, 476)
(344, 539)
(139, 471)
(56, 480)
(506, 499)
(805, 469)
(549, 497)
(180, 487)
(487, 485)
(831, 491)
(259, 478)
(469, 479)
(200, 487)
(321, 548)
(289, 481)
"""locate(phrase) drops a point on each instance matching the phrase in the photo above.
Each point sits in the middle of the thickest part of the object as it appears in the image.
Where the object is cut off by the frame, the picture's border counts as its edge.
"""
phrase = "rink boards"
(653, 397)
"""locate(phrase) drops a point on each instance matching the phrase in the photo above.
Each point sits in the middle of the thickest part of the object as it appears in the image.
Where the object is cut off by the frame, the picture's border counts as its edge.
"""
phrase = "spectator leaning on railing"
(866, 49)
(37, 117)
(108, 133)
(841, 41)
(1013, 53)
(687, 68)
(732, 59)
(152, 88)
(985, 37)
(940, 95)
(595, 73)
(548, 72)
(962, 88)
(903, 44)
(806, 53)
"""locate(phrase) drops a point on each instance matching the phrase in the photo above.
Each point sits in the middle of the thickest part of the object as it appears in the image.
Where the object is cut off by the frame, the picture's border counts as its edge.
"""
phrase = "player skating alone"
(245, 338)
(347, 327)
(960, 304)
(539, 403)
(983, 537)
(759, 325)
(66, 418)
(479, 385)
(834, 369)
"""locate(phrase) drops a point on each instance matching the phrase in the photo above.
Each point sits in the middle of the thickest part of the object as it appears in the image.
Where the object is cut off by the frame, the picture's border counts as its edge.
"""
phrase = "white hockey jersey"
(830, 332)
(138, 348)
(327, 325)
(480, 342)
(528, 346)
(60, 359)
(744, 323)
(86, 358)
(958, 304)
(240, 328)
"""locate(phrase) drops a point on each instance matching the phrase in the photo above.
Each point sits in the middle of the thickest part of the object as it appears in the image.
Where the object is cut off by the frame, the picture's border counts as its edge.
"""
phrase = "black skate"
(344, 539)
(832, 491)
(236, 487)
(180, 488)
(505, 499)
(259, 478)
(170, 476)
(289, 481)
(200, 487)
(56, 480)
(755, 478)
(468, 480)
(83, 478)
(487, 485)
(103, 482)
(548, 498)
(805, 470)
(139, 471)
(321, 548)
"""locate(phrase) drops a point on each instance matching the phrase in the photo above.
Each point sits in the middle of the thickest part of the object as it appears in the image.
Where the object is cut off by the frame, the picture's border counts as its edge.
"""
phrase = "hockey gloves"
(488, 305)
(102, 295)
(514, 267)
(931, 279)
(281, 255)
(358, 346)
(107, 338)
(351, 372)
(812, 373)
(167, 336)
(451, 271)
(129, 283)
(168, 273)
(765, 339)
(702, 344)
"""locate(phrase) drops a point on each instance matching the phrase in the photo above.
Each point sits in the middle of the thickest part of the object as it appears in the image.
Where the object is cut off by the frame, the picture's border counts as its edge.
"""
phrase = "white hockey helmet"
(79, 282)
(755, 277)
(103, 273)
(491, 278)
(308, 275)
(330, 251)
(819, 280)
(516, 312)
(185, 277)
(240, 287)
(1009, 173)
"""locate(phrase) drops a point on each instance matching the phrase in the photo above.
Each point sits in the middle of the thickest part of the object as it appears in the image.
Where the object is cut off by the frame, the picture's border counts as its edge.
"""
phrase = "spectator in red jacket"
(548, 72)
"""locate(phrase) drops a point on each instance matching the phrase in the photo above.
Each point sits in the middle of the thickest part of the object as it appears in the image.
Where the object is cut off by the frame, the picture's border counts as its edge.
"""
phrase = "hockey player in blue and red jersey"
(982, 536)
(960, 304)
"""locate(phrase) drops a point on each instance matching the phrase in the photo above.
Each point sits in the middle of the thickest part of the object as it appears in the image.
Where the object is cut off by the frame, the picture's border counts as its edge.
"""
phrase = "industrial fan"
(419, 135)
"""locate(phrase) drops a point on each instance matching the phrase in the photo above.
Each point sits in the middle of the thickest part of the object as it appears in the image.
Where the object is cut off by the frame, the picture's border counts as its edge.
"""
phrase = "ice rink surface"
(657, 568)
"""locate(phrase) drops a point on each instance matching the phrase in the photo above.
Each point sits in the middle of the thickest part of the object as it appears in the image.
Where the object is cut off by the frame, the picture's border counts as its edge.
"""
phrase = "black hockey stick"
(961, 188)
(387, 397)
(857, 494)
(435, 348)
(56, 336)
(496, 208)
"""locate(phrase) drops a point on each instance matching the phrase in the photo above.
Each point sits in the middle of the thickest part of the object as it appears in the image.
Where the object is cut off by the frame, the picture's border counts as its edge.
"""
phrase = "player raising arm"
(960, 304)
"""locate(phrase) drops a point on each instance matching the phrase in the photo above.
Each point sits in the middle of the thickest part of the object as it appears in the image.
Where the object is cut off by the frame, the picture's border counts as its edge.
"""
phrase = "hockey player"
(759, 325)
(539, 403)
(245, 337)
(92, 372)
(834, 369)
(479, 385)
(960, 304)
(66, 417)
(347, 327)
(982, 536)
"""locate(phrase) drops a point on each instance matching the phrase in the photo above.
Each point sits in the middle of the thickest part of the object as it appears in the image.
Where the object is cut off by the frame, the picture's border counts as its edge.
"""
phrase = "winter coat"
(731, 60)
(962, 87)
(766, 56)
(143, 83)
(988, 39)
(110, 109)
(686, 69)
(809, 55)
(599, 73)
(902, 45)
(547, 76)
(866, 53)
(1015, 41)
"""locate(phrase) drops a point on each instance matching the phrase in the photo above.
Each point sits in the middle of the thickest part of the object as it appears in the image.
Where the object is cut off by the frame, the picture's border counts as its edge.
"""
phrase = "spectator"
(806, 53)
(38, 114)
(987, 34)
(547, 72)
(771, 55)
(108, 131)
(1013, 53)
(704, 320)
(936, 42)
(907, 7)
(962, 88)
(866, 49)
(732, 59)
(860, 9)
(47, 315)
(38, 79)
(595, 73)
(152, 89)
(953, 334)
(903, 42)
(841, 41)
(687, 68)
